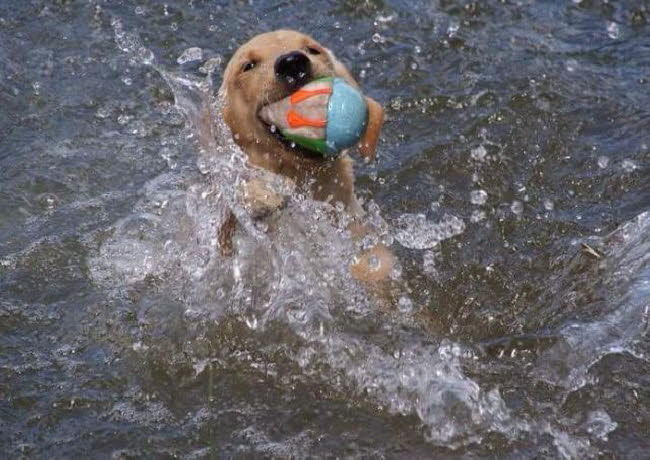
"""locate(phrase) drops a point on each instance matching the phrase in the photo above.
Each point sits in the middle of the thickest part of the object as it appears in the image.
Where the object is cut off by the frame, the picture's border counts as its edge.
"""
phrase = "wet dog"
(264, 70)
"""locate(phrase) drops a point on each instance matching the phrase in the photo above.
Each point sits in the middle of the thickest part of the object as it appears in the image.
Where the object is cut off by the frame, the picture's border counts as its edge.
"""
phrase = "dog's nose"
(293, 69)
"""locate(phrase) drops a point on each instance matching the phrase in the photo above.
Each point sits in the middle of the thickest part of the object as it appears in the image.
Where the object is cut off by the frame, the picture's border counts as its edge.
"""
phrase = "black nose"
(293, 69)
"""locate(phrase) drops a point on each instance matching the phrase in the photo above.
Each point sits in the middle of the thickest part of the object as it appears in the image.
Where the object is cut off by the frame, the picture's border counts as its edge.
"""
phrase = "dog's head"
(270, 67)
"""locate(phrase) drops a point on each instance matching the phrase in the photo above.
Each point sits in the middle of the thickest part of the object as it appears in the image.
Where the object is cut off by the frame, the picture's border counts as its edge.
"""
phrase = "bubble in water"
(139, 10)
(417, 49)
(127, 81)
(453, 28)
(628, 166)
(173, 26)
(377, 38)
(190, 55)
(103, 112)
(414, 231)
(477, 216)
(396, 103)
(405, 305)
(603, 161)
(548, 204)
(517, 207)
(479, 153)
(429, 263)
(374, 263)
(48, 200)
(571, 65)
(145, 55)
(613, 30)
(478, 197)
(599, 424)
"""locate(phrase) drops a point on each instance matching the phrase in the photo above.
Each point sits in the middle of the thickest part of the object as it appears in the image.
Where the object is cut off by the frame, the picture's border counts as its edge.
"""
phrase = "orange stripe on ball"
(303, 94)
(296, 120)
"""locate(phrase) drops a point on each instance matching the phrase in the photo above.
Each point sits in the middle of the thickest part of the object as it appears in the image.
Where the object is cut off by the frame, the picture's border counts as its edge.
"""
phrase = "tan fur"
(245, 93)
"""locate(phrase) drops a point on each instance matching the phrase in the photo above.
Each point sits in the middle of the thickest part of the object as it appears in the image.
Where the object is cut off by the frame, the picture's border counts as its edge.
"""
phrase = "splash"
(290, 271)
(625, 276)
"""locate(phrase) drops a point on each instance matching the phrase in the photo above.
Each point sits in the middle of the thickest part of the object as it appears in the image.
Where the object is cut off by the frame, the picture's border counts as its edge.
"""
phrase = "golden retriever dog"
(266, 69)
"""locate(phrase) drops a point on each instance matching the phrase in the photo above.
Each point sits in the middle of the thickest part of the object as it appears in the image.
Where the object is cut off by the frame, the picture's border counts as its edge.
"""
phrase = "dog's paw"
(260, 199)
(374, 265)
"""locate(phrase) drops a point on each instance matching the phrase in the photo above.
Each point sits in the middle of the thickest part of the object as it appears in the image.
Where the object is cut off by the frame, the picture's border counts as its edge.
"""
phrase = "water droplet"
(103, 112)
(405, 305)
(628, 166)
(478, 197)
(396, 103)
(453, 28)
(479, 153)
(429, 263)
(414, 231)
(603, 161)
(600, 424)
(48, 200)
(145, 55)
(374, 263)
(571, 65)
(477, 216)
(613, 30)
(190, 55)
(517, 207)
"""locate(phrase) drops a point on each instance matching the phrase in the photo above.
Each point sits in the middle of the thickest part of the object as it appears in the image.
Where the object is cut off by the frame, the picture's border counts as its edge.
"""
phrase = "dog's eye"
(250, 65)
(312, 50)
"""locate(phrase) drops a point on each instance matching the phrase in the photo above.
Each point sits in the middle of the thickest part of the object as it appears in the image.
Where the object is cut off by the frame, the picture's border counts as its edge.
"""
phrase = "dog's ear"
(368, 144)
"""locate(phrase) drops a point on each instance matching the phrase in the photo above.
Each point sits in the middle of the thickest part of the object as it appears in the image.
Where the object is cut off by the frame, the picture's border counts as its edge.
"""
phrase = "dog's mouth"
(288, 143)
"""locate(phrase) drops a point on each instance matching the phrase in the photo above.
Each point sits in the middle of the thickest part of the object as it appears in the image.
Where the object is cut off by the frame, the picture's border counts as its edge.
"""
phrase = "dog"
(266, 69)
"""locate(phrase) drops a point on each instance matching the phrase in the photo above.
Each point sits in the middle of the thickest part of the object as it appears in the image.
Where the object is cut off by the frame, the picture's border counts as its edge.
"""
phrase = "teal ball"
(347, 117)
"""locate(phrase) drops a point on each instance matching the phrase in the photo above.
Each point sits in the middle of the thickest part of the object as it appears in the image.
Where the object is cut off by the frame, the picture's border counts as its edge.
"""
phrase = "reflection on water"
(512, 184)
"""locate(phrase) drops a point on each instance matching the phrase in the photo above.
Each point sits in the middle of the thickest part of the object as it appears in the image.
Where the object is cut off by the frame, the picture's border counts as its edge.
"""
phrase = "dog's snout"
(293, 69)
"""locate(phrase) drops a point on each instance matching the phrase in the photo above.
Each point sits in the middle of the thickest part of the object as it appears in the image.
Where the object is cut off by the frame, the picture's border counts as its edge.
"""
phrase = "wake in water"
(292, 273)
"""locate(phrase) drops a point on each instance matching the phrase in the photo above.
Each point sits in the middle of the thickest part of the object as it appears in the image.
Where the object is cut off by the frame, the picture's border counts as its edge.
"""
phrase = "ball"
(326, 116)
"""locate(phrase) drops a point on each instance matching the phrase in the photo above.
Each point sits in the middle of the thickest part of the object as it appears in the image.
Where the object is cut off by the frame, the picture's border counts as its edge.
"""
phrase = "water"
(512, 184)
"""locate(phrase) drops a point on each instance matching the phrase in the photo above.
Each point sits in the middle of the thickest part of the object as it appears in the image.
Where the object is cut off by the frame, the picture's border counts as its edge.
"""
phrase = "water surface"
(512, 182)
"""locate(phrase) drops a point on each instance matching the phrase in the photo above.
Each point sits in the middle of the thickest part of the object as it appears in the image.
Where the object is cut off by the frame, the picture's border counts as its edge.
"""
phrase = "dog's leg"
(373, 265)
(260, 199)
(226, 233)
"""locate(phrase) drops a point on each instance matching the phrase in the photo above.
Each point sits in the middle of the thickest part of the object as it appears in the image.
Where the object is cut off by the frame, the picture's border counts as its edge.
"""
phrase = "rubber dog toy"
(325, 116)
